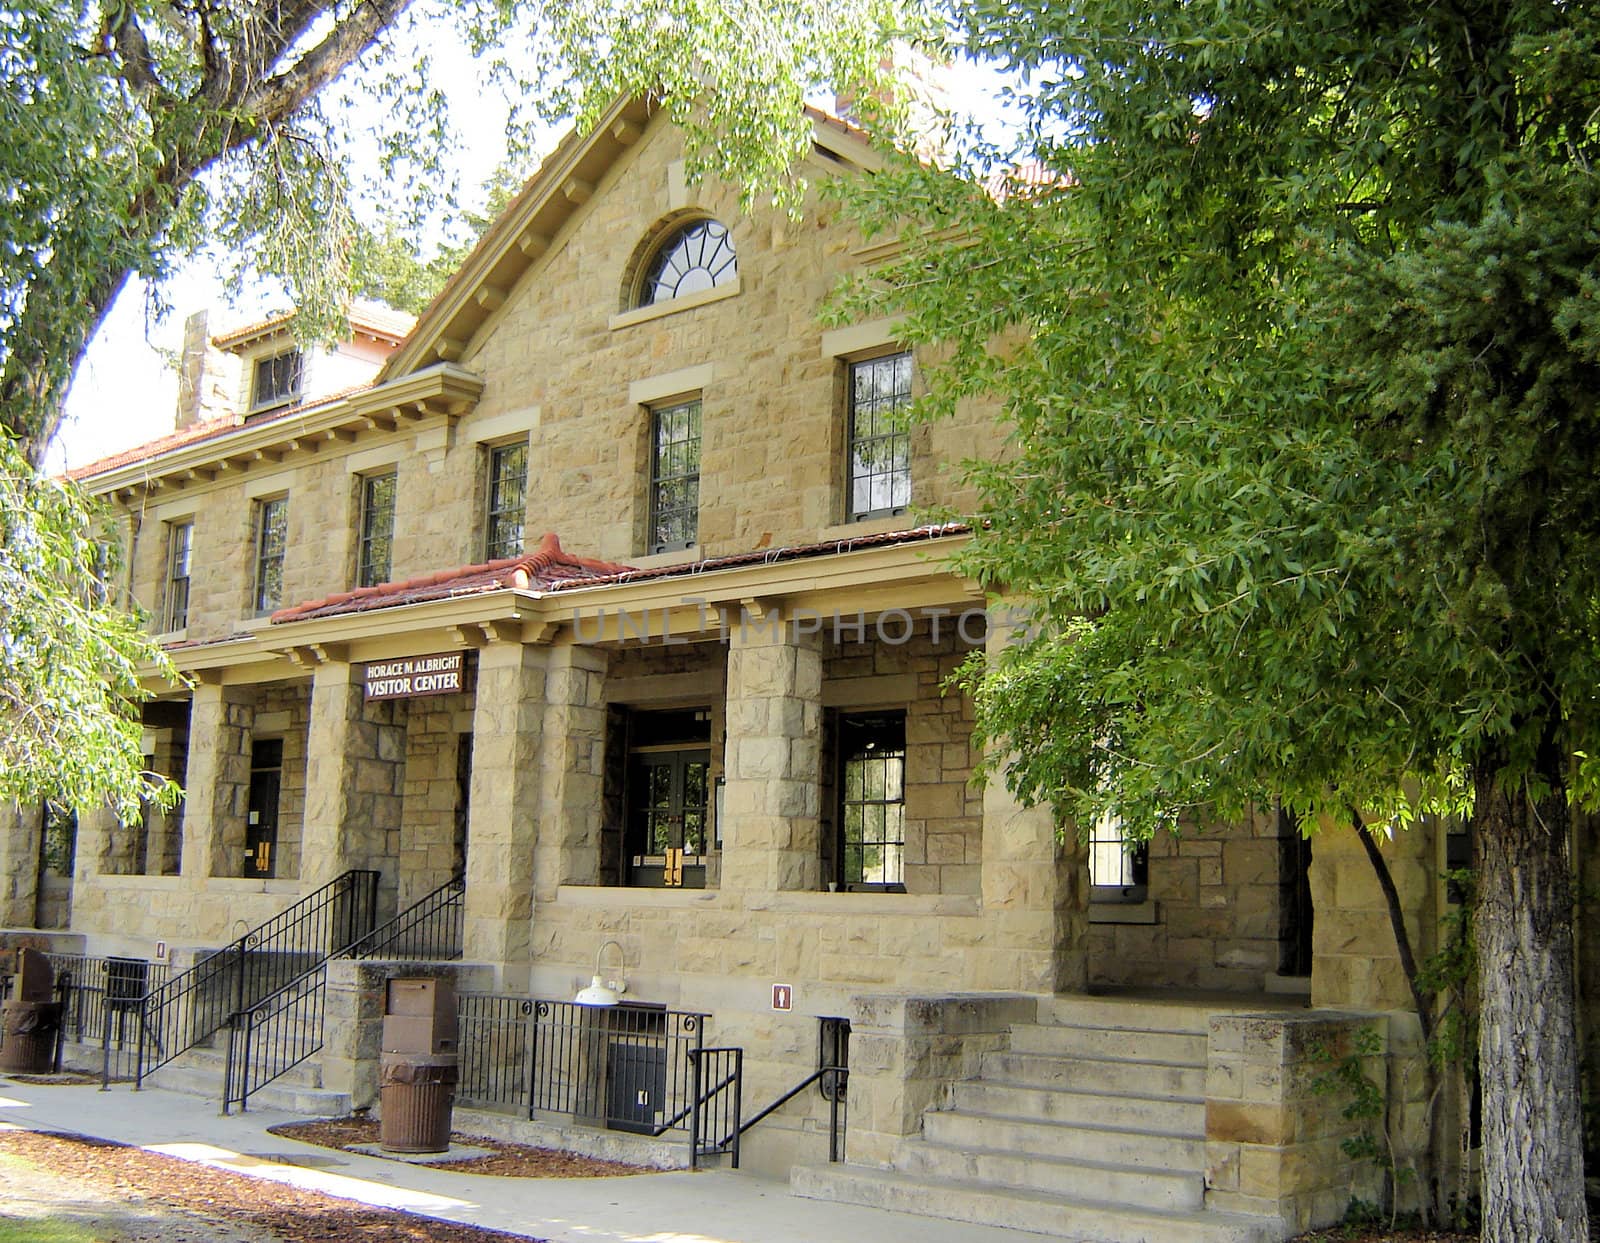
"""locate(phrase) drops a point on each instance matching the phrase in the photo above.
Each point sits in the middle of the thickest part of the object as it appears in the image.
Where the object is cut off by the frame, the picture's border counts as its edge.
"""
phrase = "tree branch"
(272, 30)
(1422, 999)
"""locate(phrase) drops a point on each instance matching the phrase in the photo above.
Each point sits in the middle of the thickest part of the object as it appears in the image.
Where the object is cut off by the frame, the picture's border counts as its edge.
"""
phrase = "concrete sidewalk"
(713, 1206)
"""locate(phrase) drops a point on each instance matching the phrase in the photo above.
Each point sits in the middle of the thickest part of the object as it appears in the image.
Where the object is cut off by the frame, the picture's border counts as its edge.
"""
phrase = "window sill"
(165, 637)
(867, 526)
(1146, 912)
(663, 560)
(658, 310)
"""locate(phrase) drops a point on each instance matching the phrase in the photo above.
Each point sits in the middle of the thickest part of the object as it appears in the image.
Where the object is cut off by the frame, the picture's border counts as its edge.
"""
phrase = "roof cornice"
(442, 392)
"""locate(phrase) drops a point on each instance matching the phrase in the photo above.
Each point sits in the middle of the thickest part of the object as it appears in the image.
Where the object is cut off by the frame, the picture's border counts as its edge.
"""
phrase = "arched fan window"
(697, 257)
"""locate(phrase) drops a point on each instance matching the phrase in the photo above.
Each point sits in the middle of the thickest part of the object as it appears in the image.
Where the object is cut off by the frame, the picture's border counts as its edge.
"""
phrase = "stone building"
(604, 590)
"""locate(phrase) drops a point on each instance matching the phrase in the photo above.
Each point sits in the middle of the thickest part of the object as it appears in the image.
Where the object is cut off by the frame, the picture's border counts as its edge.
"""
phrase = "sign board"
(783, 997)
(414, 677)
(161, 951)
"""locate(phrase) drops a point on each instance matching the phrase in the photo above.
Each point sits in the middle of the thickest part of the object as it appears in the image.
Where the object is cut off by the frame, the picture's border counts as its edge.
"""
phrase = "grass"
(46, 1230)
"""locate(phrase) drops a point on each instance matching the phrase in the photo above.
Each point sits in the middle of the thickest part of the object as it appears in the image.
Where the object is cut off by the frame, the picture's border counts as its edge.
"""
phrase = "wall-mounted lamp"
(601, 991)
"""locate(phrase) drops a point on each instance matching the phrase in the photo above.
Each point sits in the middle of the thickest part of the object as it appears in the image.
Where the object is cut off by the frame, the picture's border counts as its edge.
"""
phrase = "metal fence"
(429, 930)
(628, 1068)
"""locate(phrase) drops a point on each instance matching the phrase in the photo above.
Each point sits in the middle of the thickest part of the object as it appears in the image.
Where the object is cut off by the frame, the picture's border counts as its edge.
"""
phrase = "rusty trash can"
(30, 1022)
(419, 1067)
(417, 1092)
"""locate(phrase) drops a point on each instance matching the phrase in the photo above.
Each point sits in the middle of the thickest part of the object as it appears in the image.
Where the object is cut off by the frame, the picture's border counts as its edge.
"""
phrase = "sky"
(125, 392)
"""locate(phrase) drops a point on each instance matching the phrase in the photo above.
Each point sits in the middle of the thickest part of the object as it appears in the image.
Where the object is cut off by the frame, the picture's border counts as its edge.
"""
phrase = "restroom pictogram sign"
(783, 997)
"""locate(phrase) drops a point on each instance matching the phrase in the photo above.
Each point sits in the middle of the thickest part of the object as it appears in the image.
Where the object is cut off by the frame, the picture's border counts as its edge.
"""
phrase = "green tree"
(1297, 330)
(71, 658)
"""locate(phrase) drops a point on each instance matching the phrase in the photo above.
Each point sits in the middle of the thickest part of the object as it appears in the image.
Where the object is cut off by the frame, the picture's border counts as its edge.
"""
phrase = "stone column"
(568, 851)
(504, 812)
(1355, 962)
(19, 864)
(1035, 891)
(772, 799)
(355, 772)
(217, 781)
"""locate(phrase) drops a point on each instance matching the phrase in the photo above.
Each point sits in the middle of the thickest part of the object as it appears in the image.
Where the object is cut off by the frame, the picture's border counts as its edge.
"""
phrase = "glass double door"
(667, 819)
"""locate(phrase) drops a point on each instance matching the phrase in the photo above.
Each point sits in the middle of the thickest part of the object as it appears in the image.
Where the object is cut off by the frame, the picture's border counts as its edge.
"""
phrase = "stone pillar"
(1035, 891)
(355, 773)
(773, 799)
(217, 781)
(1355, 963)
(504, 811)
(1274, 1132)
(568, 851)
(106, 847)
(19, 864)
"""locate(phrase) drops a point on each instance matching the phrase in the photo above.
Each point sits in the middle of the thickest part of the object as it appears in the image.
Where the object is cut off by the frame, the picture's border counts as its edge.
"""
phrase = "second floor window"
(180, 552)
(276, 381)
(374, 554)
(674, 476)
(880, 440)
(508, 502)
(272, 541)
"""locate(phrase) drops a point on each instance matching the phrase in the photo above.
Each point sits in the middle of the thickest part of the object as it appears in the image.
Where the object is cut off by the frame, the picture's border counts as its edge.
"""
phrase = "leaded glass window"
(674, 476)
(375, 554)
(873, 799)
(699, 256)
(277, 380)
(272, 542)
(880, 438)
(508, 501)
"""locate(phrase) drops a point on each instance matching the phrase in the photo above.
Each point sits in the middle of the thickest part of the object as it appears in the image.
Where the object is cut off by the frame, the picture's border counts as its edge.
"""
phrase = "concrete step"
(1169, 1115)
(1115, 1044)
(1065, 1141)
(1084, 1221)
(283, 1093)
(1128, 1185)
(1153, 1079)
(1142, 1015)
(308, 1074)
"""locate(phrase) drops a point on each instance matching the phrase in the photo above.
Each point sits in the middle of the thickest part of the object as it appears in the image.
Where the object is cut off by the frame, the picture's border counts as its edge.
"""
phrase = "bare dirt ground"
(506, 1161)
(119, 1194)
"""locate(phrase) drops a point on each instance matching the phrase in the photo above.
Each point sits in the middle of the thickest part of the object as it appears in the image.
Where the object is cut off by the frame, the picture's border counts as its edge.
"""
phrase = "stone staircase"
(1090, 1126)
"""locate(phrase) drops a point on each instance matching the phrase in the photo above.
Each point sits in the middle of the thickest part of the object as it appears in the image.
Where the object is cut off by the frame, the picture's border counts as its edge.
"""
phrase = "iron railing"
(99, 988)
(193, 1006)
(495, 1036)
(719, 1098)
(275, 1035)
(429, 930)
(838, 1105)
(628, 1068)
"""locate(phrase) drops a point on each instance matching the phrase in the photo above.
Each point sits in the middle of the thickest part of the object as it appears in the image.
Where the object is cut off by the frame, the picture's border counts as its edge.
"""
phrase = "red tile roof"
(207, 430)
(539, 570)
(769, 556)
(372, 318)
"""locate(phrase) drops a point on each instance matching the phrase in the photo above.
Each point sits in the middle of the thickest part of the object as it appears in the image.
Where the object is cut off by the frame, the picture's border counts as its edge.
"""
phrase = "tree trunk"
(1533, 1188)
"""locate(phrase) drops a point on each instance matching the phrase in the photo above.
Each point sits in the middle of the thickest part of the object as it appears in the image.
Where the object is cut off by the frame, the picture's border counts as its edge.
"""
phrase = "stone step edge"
(1079, 1059)
(1075, 1163)
(1110, 1095)
(1113, 1027)
(1055, 1124)
(1135, 1215)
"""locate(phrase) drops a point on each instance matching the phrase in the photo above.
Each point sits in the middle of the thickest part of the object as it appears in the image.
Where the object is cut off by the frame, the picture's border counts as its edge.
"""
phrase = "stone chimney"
(925, 85)
(206, 376)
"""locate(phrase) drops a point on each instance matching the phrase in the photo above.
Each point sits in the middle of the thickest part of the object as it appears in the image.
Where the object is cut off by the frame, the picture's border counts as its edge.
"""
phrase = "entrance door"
(667, 817)
(261, 829)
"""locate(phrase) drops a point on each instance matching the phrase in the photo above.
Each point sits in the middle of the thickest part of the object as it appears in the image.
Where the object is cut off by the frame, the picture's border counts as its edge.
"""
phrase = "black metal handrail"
(429, 930)
(280, 1031)
(275, 1035)
(193, 1006)
(836, 1077)
(718, 1100)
